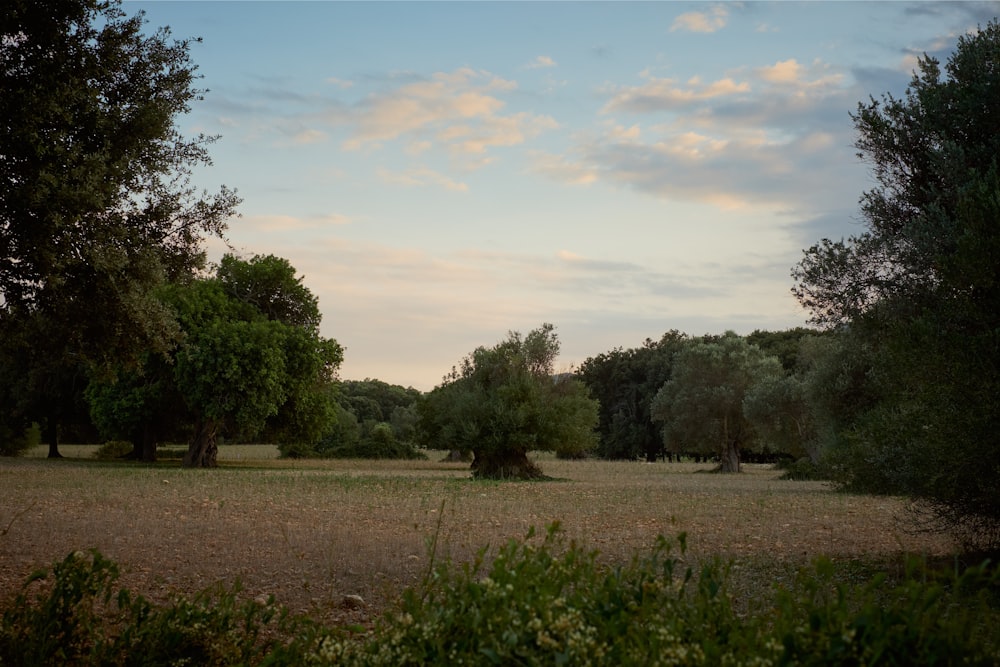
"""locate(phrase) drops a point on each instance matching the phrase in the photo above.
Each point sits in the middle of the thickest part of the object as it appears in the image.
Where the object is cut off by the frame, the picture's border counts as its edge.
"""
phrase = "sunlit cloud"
(664, 94)
(562, 169)
(420, 177)
(541, 62)
(310, 136)
(340, 83)
(462, 111)
(792, 73)
(263, 223)
(710, 20)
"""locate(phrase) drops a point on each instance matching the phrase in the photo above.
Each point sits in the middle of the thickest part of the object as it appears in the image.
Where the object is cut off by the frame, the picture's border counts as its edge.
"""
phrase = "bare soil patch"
(311, 533)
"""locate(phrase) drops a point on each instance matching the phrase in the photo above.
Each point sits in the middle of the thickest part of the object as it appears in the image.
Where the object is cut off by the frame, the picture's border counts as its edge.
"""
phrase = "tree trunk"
(203, 450)
(730, 461)
(50, 435)
(510, 464)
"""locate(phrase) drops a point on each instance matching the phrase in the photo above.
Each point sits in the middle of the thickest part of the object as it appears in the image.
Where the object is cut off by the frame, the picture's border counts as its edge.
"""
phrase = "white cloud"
(420, 177)
(710, 20)
(462, 111)
(662, 94)
(561, 169)
(541, 62)
(340, 83)
(792, 73)
(309, 137)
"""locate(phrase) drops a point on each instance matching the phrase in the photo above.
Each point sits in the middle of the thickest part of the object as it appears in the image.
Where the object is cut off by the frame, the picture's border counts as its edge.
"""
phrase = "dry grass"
(311, 532)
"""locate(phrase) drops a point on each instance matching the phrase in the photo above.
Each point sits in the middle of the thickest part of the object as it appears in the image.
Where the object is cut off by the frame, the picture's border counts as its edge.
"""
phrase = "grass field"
(311, 532)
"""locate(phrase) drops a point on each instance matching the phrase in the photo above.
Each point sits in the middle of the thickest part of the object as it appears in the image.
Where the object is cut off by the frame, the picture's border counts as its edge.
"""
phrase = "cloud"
(541, 62)
(280, 223)
(774, 137)
(666, 94)
(420, 177)
(310, 136)
(562, 169)
(792, 73)
(340, 83)
(710, 20)
(462, 111)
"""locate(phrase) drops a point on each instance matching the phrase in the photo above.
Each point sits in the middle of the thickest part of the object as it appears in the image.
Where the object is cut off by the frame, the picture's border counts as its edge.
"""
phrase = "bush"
(802, 470)
(16, 441)
(536, 603)
(81, 617)
(113, 450)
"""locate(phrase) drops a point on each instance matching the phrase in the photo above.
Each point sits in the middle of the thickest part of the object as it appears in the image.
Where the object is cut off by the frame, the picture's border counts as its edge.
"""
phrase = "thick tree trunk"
(143, 445)
(203, 450)
(50, 435)
(504, 465)
(730, 461)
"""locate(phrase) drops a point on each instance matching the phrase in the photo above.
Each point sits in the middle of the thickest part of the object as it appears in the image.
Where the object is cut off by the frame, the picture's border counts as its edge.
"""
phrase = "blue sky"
(441, 173)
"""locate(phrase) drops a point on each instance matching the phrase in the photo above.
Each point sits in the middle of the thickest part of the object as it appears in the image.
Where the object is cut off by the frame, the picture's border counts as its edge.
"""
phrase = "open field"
(310, 532)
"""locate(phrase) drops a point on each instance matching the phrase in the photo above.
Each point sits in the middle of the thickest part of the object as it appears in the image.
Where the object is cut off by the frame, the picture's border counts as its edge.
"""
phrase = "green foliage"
(17, 440)
(97, 207)
(820, 621)
(624, 382)
(505, 401)
(534, 602)
(379, 442)
(701, 407)
(113, 450)
(239, 371)
(80, 616)
(554, 603)
(920, 290)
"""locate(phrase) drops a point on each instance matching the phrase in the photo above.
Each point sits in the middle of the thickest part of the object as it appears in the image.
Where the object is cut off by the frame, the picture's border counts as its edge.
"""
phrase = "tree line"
(113, 324)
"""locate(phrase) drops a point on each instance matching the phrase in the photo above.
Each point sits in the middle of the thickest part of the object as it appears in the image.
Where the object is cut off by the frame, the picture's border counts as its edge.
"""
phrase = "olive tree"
(921, 287)
(502, 402)
(701, 405)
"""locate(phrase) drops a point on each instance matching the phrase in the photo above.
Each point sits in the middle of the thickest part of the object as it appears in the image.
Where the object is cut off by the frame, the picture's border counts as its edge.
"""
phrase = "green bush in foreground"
(539, 601)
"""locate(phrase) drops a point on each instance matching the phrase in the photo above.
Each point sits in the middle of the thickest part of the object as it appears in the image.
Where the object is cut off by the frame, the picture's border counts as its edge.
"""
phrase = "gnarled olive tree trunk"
(507, 464)
(203, 450)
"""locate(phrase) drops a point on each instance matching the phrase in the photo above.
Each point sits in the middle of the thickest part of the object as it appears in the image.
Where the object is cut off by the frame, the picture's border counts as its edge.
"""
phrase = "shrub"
(802, 470)
(535, 603)
(113, 450)
(16, 441)
(79, 616)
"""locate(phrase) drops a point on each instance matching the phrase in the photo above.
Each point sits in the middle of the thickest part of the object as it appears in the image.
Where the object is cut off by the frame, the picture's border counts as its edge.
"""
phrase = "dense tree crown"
(919, 291)
(238, 371)
(96, 204)
(701, 405)
(505, 401)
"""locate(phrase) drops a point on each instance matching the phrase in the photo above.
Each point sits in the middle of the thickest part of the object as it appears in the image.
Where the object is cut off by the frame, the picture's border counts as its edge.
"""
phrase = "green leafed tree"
(96, 204)
(505, 401)
(237, 371)
(921, 288)
(701, 406)
(625, 382)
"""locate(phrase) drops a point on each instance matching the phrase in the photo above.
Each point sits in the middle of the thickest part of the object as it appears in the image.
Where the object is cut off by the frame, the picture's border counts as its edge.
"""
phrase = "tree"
(96, 206)
(921, 287)
(624, 383)
(505, 401)
(701, 406)
(236, 371)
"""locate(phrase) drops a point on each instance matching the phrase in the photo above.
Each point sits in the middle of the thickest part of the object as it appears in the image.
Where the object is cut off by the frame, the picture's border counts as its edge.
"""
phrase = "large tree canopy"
(505, 401)
(238, 371)
(921, 287)
(625, 382)
(96, 204)
(701, 406)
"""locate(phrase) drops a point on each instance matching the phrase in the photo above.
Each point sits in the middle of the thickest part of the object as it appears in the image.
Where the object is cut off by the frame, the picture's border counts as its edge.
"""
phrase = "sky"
(441, 173)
